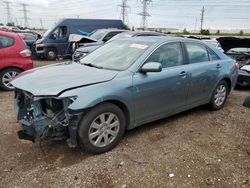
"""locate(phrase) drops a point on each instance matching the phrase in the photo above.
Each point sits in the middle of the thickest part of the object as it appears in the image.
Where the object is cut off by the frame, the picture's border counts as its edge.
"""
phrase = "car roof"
(110, 29)
(10, 34)
(161, 39)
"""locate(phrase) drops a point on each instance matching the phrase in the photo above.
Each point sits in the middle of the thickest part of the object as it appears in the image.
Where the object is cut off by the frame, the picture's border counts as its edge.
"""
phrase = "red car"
(15, 57)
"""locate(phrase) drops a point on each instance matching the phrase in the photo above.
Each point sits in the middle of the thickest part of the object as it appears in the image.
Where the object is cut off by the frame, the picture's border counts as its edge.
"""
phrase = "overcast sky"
(219, 14)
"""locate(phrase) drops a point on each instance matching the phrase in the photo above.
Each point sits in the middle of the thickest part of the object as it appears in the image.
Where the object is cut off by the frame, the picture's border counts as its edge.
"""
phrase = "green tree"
(218, 32)
(205, 32)
(126, 27)
(185, 31)
(241, 32)
(1, 24)
(10, 24)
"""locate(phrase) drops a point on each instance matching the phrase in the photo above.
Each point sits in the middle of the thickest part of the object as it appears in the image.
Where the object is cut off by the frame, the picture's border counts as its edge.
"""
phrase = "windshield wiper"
(92, 65)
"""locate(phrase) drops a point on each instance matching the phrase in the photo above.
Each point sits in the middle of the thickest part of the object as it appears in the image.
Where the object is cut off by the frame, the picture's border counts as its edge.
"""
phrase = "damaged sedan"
(121, 85)
(239, 49)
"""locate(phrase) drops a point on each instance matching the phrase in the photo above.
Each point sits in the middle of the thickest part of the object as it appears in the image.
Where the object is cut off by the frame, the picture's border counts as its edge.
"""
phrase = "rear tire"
(101, 129)
(6, 76)
(219, 96)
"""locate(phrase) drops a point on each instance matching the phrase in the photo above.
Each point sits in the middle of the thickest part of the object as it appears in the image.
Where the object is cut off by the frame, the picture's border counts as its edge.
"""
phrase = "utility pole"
(124, 11)
(195, 25)
(202, 17)
(25, 16)
(7, 4)
(41, 22)
(145, 13)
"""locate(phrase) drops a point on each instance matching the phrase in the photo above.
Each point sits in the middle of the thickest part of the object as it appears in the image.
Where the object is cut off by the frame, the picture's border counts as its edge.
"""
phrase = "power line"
(145, 13)
(7, 4)
(124, 11)
(25, 16)
(202, 17)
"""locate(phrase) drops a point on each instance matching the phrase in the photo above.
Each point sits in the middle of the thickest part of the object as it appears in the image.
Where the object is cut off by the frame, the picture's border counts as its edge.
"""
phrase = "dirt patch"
(197, 148)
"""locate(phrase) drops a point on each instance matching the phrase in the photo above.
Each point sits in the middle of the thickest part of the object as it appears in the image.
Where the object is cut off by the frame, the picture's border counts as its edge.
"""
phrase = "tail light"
(25, 53)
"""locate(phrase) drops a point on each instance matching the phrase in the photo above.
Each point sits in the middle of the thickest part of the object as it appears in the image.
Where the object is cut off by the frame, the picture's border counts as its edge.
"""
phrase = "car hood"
(80, 38)
(52, 80)
(89, 48)
(228, 43)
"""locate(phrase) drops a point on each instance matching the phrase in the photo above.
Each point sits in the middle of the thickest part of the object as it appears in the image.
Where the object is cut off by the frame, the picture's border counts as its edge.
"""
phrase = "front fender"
(118, 89)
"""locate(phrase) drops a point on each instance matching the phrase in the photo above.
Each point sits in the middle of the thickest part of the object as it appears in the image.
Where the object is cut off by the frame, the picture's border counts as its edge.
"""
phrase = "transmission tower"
(145, 13)
(41, 22)
(124, 11)
(7, 4)
(202, 17)
(25, 16)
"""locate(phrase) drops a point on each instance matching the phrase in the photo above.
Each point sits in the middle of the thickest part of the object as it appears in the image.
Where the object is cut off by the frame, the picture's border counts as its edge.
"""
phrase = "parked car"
(86, 49)
(30, 40)
(208, 40)
(119, 86)
(239, 49)
(15, 57)
(95, 39)
(55, 42)
(129, 34)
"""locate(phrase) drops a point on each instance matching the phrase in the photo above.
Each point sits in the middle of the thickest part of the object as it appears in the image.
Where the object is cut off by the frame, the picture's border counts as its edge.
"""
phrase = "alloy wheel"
(220, 95)
(8, 77)
(104, 129)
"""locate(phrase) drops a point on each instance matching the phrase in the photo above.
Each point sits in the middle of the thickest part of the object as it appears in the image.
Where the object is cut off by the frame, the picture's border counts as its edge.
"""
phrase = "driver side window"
(60, 32)
(169, 55)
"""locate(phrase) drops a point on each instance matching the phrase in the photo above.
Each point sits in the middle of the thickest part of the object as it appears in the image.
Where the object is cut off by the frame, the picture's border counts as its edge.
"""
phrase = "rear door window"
(212, 55)
(6, 42)
(197, 53)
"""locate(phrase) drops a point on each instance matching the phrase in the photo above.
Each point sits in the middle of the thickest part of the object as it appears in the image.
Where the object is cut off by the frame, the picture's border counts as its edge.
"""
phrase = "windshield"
(97, 34)
(47, 32)
(116, 55)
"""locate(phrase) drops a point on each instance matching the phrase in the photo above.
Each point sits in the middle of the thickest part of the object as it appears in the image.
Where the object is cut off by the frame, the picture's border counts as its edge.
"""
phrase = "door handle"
(218, 66)
(183, 74)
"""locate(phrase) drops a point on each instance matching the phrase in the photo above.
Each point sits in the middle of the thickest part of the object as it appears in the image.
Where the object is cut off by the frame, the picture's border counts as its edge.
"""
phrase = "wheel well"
(228, 81)
(11, 67)
(54, 48)
(123, 107)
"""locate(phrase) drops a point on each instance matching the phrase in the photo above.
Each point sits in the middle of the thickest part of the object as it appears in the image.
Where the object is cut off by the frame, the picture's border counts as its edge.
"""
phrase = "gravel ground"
(197, 148)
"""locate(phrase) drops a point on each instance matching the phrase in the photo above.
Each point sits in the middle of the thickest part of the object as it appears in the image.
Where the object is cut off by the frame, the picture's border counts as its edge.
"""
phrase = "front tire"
(219, 96)
(101, 129)
(51, 54)
(6, 76)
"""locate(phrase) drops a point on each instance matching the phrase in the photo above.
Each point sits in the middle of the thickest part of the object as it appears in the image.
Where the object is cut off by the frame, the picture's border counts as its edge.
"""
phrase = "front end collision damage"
(46, 117)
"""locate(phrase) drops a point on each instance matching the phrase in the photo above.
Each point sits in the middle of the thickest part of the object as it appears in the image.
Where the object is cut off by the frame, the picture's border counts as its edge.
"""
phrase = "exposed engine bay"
(237, 48)
(44, 117)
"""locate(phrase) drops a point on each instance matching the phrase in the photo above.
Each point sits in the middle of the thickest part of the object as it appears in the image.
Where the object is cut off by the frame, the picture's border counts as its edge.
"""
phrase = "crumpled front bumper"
(38, 122)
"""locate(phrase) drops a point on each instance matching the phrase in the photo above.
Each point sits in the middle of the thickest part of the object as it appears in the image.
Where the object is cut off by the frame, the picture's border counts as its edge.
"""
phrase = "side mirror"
(151, 67)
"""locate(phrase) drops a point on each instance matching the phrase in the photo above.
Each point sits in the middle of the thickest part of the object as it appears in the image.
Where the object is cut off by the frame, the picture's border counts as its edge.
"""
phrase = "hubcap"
(8, 77)
(220, 95)
(51, 53)
(104, 129)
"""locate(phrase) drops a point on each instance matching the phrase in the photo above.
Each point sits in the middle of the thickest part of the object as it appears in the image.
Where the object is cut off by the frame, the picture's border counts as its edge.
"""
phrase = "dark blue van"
(54, 42)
